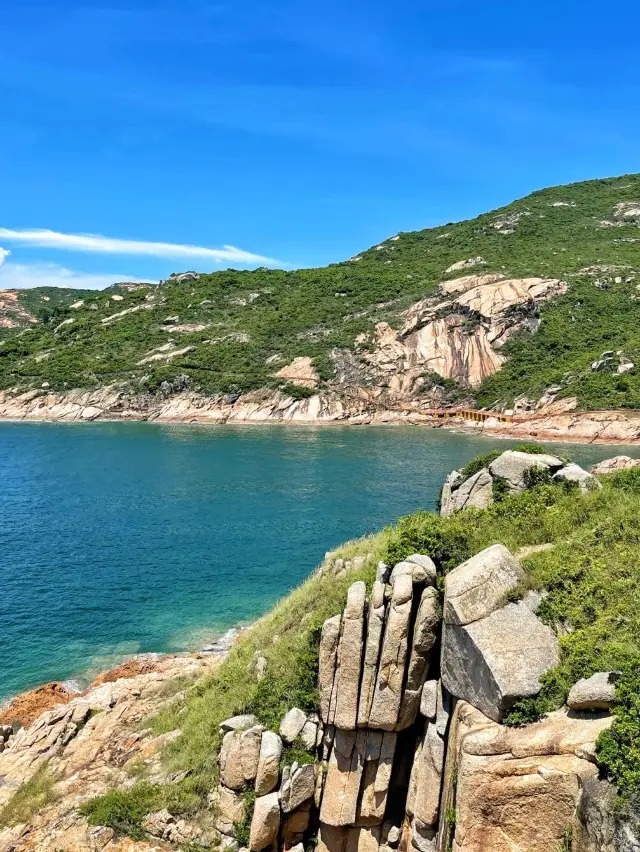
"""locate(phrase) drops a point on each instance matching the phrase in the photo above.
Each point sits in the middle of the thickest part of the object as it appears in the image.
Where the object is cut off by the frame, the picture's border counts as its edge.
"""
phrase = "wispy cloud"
(98, 244)
(16, 276)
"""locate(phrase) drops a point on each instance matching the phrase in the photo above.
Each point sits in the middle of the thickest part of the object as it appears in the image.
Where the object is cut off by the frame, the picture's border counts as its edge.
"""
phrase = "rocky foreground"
(90, 744)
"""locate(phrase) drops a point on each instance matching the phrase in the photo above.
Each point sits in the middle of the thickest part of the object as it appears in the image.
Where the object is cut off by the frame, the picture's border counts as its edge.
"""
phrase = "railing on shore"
(478, 416)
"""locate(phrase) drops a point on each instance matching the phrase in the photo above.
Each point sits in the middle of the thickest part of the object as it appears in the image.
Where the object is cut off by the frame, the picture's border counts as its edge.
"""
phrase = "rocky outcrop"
(476, 492)
(614, 464)
(512, 467)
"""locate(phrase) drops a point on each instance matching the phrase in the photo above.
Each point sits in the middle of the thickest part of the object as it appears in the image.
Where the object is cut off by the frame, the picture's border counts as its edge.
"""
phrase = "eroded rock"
(478, 586)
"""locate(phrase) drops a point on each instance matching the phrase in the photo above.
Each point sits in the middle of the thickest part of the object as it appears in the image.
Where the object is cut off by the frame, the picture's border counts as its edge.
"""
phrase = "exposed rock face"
(597, 692)
(511, 466)
(494, 661)
(614, 464)
(425, 634)
(300, 372)
(349, 658)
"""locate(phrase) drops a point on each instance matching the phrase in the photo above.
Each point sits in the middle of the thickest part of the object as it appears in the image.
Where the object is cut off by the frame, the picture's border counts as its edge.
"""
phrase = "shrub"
(478, 463)
(618, 749)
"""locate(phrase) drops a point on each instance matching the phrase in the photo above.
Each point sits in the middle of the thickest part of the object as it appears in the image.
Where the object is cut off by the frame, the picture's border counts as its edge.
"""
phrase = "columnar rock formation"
(409, 752)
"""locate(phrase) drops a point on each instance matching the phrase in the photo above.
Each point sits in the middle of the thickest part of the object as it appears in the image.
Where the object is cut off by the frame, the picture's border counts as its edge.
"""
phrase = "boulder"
(375, 627)
(298, 787)
(238, 723)
(250, 741)
(421, 568)
(574, 473)
(294, 826)
(597, 692)
(268, 772)
(350, 658)
(229, 808)
(428, 699)
(452, 481)
(389, 681)
(423, 837)
(292, 724)
(309, 734)
(476, 492)
(511, 466)
(614, 464)
(265, 822)
(329, 641)
(231, 771)
(425, 634)
(493, 662)
(478, 586)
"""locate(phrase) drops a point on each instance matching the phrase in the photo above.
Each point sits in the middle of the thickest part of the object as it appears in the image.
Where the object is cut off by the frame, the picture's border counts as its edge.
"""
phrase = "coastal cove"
(121, 538)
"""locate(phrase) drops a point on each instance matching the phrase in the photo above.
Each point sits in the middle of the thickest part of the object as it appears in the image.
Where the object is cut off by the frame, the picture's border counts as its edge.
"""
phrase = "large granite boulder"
(511, 466)
(298, 786)
(518, 788)
(387, 696)
(579, 476)
(250, 751)
(493, 662)
(478, 586)
(421, 568)
(265, 822)
(476, 492)
(231, 769)
(597, 692)
(292, 724)
(268, 763)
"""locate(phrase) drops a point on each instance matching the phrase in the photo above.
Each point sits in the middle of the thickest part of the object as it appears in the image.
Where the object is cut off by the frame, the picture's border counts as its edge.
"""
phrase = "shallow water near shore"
(122, 538)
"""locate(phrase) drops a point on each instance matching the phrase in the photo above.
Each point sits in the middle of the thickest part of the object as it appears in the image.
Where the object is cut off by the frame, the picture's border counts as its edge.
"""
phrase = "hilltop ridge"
(532, 303)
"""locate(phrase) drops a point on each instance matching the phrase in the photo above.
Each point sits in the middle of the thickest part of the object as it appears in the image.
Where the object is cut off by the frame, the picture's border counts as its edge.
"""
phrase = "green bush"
(626, 480)
(479, 462)
(618, 749)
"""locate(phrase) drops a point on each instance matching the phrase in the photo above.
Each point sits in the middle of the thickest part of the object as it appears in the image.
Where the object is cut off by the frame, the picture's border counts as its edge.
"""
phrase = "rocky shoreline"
(556, 421)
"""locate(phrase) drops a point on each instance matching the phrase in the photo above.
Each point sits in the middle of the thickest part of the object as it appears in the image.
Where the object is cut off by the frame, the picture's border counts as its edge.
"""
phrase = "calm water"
(122, 538)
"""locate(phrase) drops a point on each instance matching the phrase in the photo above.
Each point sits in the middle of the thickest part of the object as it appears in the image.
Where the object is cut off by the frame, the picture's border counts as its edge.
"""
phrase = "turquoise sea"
(124, 538)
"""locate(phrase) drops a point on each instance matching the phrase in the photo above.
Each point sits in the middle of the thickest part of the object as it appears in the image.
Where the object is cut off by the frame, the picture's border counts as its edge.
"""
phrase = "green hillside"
(234, 326)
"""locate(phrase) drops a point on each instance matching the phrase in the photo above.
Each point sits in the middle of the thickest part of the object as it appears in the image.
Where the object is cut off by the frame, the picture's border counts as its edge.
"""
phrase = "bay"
(124, 538)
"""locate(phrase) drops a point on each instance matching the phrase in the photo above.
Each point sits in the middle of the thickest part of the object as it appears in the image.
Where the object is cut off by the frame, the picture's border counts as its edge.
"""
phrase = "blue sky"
(292, 131)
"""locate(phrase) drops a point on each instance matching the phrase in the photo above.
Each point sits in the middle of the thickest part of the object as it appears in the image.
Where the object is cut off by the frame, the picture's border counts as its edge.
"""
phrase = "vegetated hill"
(22, 308)
(487, 310)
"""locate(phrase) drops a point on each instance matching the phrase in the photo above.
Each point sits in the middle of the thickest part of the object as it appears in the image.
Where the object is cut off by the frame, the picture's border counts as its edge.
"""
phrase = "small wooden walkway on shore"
(466, 413)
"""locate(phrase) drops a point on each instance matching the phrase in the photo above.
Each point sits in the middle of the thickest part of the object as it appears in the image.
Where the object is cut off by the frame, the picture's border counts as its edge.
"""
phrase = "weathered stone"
(292, 724)
(493, 662)
(350, 658)
(452, 481)
(268, 763)
(428, 699)
(614, 464)
(578, 475)
(475, 492)
(421, 568)
(597, 692)
(229, 808)
(478, 586)
(383, 572)
(327, 662)
(250, 741)
(365, 839)
(265, 822)
(332, 838)
(379, 751)
(390, 834)
(388, 691)
(238, 723)
(344, 775)
(309, 734)
(425, 633)
(375, 627)
(428, 778)
(518, 788)
(423, 837)
(298, 788)
(594, 827)
(231, 771)
(511, 466)
(294, 826)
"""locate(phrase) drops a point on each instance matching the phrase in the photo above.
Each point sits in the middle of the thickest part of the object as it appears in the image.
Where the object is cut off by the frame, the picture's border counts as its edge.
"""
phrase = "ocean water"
(117, 539)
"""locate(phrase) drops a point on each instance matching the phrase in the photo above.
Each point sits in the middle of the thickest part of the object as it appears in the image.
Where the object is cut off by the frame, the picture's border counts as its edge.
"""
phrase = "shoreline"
(538, 429)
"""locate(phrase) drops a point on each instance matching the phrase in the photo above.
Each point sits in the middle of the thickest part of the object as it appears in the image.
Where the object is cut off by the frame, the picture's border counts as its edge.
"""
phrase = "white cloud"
(3, 253)
(43, 238)
(15, 276)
